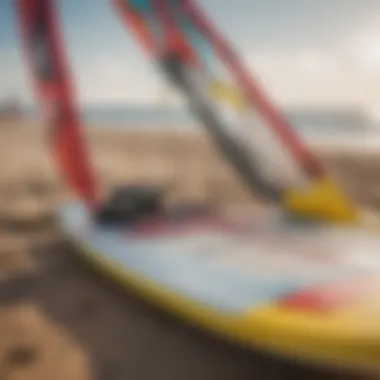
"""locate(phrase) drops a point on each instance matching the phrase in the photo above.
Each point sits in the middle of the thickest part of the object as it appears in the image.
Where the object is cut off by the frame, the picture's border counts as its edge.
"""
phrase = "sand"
(61, 320)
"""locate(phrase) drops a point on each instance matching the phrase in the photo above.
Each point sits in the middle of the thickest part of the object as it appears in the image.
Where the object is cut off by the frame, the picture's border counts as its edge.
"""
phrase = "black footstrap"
(130, 204)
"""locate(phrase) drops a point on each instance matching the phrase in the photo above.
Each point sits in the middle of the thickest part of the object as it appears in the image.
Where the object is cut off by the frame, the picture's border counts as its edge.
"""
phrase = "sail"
(43, 46)
(248, 129)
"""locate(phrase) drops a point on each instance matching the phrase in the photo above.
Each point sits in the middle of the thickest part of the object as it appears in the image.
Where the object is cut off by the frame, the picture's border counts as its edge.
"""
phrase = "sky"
(324, 52)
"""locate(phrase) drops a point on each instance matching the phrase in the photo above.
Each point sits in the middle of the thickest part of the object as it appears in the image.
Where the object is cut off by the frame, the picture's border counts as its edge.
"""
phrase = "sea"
(343, 126)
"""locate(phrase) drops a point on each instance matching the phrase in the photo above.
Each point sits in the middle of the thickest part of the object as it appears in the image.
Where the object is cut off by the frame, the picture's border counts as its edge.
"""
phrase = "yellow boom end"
(324, 201)
(228, 94)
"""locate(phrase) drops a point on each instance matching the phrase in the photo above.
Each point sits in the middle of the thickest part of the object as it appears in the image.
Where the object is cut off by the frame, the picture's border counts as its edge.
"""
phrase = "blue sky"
(304, 51)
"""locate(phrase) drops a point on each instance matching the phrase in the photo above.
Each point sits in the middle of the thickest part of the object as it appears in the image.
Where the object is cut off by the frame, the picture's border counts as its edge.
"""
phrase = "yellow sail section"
(324, 201)
(228, 94)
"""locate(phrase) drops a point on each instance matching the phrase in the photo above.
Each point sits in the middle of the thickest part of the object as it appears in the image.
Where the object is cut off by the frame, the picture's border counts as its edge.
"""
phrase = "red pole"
(43, 45)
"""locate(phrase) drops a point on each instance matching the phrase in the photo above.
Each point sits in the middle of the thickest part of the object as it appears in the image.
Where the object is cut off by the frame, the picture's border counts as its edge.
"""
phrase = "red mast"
(43, 45)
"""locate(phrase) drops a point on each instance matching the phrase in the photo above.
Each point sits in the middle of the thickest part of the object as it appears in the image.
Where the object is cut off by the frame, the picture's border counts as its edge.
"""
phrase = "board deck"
(262, 281)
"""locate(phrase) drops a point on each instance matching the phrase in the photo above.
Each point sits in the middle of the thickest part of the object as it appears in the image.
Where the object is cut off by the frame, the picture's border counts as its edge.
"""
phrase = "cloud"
(121, 78)
(14, 77)
(110, 80)
(308, 76)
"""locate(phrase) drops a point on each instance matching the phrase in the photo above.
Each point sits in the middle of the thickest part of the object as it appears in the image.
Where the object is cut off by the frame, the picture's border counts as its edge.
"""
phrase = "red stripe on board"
(332, 296)
(256, 96)
(56, 97)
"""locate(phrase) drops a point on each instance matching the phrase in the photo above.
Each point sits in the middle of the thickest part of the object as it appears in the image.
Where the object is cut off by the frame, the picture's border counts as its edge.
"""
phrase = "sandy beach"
(60, 320)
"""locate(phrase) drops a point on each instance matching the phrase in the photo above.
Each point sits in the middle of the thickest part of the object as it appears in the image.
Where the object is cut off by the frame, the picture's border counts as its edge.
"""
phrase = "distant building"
(10, 109)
